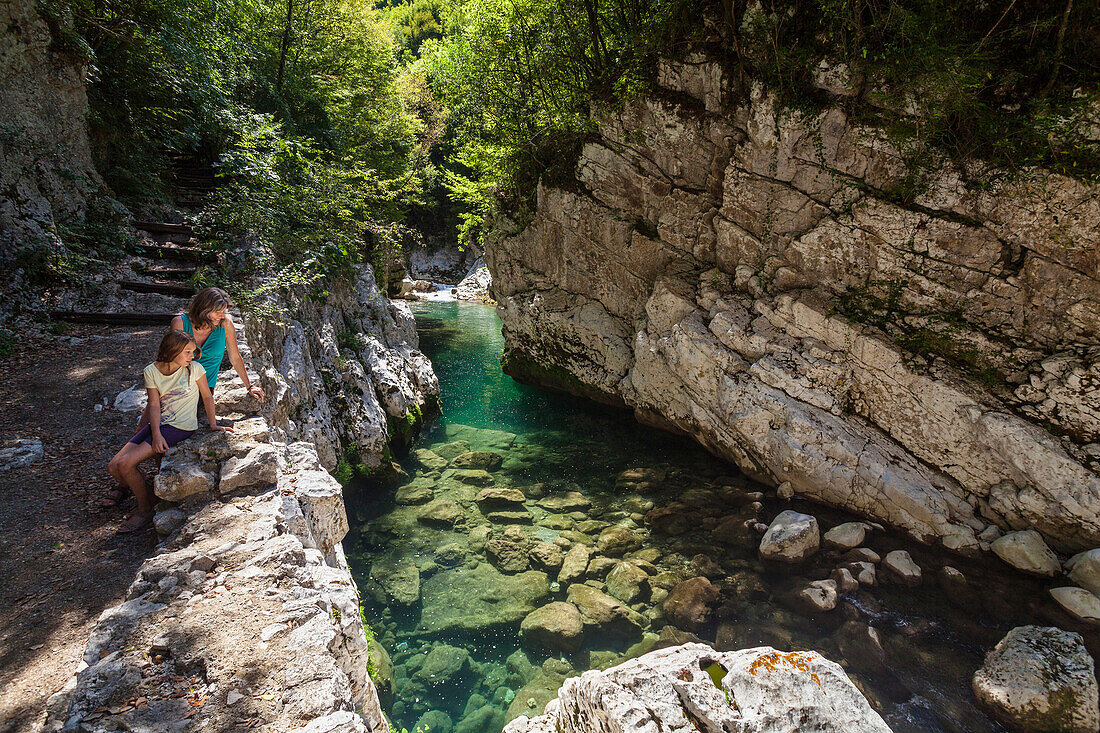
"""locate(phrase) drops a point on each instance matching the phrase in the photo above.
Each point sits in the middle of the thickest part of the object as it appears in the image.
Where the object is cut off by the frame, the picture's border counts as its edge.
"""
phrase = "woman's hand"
(160, 445)
(221, 428)
(256, 392)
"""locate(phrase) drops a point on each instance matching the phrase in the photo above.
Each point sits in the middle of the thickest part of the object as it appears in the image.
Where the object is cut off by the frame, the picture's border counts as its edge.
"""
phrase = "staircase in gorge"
(157, 279)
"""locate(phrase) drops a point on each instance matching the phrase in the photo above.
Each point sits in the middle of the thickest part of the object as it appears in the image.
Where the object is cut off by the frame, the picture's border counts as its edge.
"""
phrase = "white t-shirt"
(179, 394)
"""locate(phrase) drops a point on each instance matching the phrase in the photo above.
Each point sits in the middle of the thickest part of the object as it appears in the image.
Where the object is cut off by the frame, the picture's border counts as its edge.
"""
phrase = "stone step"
(164, 227)
(114, 319)
(173, 252)
(166, 273)
(157, 286)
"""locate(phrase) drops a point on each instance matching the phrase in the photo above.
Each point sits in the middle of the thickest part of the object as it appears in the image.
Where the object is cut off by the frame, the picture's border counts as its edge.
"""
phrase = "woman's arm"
(208, 403)
(236, 359)
(177, 323)
(160, 445)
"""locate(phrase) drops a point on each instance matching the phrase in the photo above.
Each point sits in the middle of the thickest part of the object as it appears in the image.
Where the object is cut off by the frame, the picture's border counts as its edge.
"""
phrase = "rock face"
(726, 270)
(337, 372)
(694, 688)
(46, 169)
(258, 581)
(1040, 679)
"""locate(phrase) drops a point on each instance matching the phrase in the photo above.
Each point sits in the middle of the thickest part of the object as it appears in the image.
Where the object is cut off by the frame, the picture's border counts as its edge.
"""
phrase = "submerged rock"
(484, 460)
(471, 600)
(693, 687)
(556, 626)
(574, 564)
(791, 537)
(1026, 551)
(429, 459)
(398, 579)
(568, 501)
(507, 551)
(440, 513)
(500, 498)
(412, 493)
(627, 582)
(1040, 679)
(688, 605)
(603, 614)
(616, 541)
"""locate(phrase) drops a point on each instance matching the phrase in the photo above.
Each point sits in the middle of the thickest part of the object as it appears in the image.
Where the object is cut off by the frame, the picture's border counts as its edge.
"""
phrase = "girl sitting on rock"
(208, 321)
(174, 382)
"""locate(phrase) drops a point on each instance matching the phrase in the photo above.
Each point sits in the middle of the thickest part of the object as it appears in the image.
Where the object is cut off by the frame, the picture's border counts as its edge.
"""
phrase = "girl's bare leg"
(132, 455)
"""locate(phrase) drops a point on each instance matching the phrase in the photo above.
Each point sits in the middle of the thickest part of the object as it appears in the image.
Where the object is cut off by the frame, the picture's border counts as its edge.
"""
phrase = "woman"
(175, 385)
(207, 319)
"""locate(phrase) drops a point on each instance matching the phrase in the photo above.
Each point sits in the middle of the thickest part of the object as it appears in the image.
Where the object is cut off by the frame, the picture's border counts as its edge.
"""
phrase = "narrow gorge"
(646, 366)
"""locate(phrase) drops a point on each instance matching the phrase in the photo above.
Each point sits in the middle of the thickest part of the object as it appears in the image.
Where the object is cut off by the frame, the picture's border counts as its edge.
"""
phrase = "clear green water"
(449, 619)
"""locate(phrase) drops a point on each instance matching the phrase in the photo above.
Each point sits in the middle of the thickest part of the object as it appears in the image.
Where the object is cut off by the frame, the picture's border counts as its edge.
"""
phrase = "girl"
(211, 325)
(174, 383)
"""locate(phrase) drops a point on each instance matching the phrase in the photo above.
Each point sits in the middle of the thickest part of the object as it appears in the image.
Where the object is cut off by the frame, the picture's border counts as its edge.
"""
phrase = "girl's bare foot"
(136, 521)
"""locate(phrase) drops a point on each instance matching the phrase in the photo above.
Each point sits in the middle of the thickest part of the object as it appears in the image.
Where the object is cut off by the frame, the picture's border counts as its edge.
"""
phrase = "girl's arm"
(208, 403)
(160, 445)
(236, 359)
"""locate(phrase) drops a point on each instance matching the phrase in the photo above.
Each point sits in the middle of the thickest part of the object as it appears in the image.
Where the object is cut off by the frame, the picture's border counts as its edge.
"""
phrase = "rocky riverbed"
(510, 559)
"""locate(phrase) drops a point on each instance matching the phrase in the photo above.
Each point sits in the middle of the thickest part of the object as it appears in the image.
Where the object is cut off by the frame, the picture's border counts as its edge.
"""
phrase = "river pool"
(446, 580)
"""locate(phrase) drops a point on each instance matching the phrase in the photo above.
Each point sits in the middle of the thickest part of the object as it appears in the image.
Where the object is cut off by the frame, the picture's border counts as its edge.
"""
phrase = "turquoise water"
(447, 607)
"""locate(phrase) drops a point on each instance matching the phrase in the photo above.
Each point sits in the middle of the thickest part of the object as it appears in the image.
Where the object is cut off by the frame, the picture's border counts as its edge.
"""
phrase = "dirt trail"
(61, 561)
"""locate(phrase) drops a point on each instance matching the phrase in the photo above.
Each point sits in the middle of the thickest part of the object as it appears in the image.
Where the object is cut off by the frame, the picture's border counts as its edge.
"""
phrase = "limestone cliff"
(46, 170)
(763, 282)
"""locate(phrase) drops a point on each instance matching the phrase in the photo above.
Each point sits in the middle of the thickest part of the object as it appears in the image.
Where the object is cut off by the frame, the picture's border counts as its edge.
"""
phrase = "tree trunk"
(285, 45)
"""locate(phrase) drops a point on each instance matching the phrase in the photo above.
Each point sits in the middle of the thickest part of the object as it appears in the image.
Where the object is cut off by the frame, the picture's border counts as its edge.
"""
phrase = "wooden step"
(185, 254)
(115, 319)
(157, 286)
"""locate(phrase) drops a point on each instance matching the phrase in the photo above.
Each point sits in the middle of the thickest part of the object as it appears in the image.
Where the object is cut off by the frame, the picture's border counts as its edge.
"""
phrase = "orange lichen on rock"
(797, 660)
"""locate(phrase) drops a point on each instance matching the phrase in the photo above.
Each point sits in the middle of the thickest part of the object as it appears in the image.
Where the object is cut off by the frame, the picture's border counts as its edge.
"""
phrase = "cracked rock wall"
(755, 280)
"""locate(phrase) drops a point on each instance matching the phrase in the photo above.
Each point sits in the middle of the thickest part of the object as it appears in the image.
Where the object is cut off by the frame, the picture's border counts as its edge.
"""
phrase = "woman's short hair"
(173, 342)
(205, 302)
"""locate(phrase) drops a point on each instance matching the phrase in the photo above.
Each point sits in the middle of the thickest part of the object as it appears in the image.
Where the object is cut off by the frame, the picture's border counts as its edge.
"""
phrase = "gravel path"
(61, 561)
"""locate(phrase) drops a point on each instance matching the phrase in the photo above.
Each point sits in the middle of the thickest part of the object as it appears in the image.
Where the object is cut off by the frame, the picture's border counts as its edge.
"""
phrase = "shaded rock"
(168, 521)
(412, 494)
(574, 564)
(640, 480)
(20, 453)
(616, 541)
(499, 498)
(863, 554)
(603, 613)
(483, 460)
(1026, 551)
(568, 501)
(689, 604)
(845, 581)
(1084, 570)
(429, 459)
(862, 648)
(673, 519)
(791, 538)
(556, 626)
(901, 568)
(1079, 603)
(440, 513)
(693, 687)
(259, 468)
(845, 536)
(450, 555)
(820, 595)
(627, 582)
(1040, 679)
(736, 530)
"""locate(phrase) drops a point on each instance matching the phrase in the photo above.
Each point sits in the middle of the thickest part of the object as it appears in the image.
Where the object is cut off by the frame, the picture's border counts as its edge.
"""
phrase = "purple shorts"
(171, 435)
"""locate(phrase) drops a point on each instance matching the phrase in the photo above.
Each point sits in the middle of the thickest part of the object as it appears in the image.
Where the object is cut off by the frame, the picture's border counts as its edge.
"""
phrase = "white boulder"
(692, 687)
(791, 537)
(1079, 603)
(1025, 550)
(1040, 678)
(1084, 570)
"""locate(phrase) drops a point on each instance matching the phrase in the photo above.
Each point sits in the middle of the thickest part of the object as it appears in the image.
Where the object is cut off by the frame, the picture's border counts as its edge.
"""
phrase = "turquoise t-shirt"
(213, 351)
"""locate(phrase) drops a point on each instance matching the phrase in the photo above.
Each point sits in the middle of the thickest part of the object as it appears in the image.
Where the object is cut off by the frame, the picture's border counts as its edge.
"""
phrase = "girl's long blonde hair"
(205, 302)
